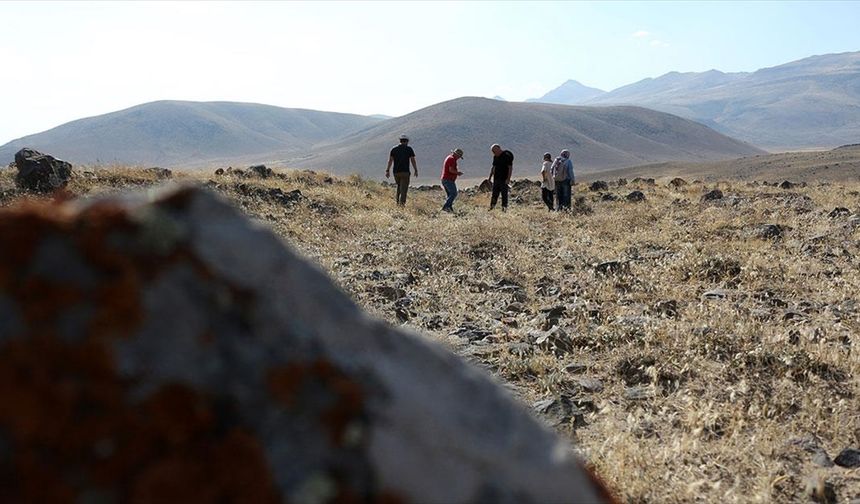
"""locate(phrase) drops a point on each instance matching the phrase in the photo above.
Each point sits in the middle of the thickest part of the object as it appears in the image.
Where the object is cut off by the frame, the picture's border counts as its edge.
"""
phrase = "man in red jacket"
(450, 172)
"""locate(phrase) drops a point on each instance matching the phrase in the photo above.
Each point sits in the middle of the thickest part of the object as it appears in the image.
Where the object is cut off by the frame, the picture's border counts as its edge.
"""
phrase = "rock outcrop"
(169, 350)
(39, 172)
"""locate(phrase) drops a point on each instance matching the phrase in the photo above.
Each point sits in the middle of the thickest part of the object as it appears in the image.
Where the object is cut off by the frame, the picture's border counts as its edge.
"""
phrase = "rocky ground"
(695, 345)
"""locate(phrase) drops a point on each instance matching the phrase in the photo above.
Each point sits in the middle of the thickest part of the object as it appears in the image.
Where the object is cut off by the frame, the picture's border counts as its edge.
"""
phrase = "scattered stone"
(612, 267)
(590, 384)
(575, 368)
(515, 307)
(838, 212)
(554, 316)
(471, 332)
(635, 196)
(560, 411)
(638, 393)
(645, 181)
(160, 173)
(556, 341)
(621, 182)
(208, 349)
(809, 443)
(770, 231)
(39, 172)
(849, 457)
(677, 183)
(787, 185)
(598, 185)
(714, 195)
(260, 171)
(608, 197)
(821, 458)
(520, 349)
(793, 315)
(667, 308)
(390, 293)
(716, 294)
(219, 172)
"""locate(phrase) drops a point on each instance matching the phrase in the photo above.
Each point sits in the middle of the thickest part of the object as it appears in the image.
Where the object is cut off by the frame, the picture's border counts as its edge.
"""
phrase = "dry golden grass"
(728, 383)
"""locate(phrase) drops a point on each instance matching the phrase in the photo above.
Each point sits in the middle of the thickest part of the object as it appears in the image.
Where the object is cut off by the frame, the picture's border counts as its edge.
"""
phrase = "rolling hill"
(599, 137)
(837, 165)
(809, 103)
(178, 133)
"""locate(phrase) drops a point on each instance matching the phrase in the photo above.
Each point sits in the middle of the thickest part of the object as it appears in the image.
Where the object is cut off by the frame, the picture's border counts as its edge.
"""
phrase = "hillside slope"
(599, 137)
(837, 165)
(173, 133)
(813, 102)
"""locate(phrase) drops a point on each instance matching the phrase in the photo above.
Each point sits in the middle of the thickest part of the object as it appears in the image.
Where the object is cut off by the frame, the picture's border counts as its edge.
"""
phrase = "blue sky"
(391, 58)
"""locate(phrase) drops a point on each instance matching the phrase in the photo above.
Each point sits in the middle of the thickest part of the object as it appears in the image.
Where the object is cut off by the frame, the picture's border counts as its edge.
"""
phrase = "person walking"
(547, 183)
(562, 173)
(400, 156)
(500, 175)
(450, 172)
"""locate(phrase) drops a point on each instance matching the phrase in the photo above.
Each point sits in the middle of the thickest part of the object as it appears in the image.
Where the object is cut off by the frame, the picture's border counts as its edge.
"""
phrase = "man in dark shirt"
(500, 175)
(400, 156)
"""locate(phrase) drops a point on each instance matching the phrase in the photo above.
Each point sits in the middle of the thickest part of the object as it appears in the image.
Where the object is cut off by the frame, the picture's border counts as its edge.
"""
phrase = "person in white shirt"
(547, 182)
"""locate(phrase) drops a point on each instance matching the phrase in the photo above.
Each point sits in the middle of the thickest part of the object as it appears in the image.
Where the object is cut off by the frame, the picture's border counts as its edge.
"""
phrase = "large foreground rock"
(171, 351)
(40, 172)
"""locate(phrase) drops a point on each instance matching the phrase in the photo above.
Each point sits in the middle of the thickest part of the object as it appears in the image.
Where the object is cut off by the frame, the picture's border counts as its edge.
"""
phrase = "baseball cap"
(404, 137)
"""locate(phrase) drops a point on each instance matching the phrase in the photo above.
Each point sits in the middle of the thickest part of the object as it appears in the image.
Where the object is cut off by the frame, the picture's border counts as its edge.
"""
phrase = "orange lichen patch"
(42, 300)
(68, 417)
(232, 470)
(287, 383)
(73, 429)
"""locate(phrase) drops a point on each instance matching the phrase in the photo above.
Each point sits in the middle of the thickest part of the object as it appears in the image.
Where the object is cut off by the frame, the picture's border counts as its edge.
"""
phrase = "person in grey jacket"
(562, 172)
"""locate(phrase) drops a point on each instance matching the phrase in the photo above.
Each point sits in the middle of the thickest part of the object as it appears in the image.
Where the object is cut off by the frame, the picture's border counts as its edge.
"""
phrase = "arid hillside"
(837, 165)
(602, 137)
(694, 345)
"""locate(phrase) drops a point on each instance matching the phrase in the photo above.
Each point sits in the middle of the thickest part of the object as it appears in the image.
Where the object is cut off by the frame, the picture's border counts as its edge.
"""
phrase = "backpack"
(559, 171)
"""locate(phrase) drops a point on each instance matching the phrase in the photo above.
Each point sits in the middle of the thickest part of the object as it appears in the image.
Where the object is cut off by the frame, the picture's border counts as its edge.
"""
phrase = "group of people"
(556, 175)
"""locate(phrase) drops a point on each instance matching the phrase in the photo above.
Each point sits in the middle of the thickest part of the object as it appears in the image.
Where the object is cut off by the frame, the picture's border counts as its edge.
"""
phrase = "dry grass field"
(694, 351)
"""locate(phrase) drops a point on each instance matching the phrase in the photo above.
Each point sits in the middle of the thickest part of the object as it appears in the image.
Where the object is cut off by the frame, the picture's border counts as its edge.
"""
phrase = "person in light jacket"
(547, 183)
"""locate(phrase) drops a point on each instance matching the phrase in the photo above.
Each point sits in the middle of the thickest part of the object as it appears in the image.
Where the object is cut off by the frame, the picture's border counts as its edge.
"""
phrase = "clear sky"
(68, 60)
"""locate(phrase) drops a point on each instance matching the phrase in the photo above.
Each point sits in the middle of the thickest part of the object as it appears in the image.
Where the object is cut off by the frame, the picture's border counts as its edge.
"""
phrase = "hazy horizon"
(367, 58)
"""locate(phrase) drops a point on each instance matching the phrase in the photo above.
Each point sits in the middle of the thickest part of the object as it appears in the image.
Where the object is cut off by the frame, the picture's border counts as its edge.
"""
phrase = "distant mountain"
(570, 93)
(599, 137)
(813, 102)
(175, 133)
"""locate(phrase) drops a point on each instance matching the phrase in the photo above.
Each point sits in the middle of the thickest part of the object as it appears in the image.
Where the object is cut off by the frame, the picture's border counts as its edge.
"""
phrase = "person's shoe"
(504, 209)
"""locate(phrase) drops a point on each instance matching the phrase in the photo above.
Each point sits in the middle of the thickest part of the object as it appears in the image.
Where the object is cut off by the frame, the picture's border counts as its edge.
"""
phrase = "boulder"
(598, 185)
(170, 350)
(485, 186)
(714, 195)
(259, 171)
(677, 183)
(39, 172)
(635, 196)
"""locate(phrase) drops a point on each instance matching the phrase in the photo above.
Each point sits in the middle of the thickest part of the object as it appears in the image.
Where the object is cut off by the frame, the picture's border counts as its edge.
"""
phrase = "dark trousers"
(451, 191)
(402, 181)
(547, 196)
(500, 186)
(562, 192)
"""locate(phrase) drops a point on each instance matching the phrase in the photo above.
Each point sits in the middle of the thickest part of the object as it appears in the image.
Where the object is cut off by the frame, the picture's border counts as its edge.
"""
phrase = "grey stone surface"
(338, 403)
